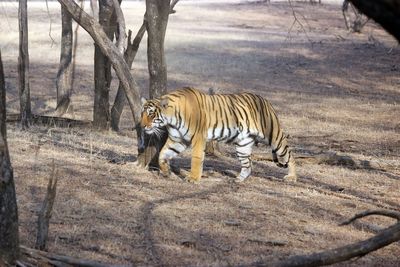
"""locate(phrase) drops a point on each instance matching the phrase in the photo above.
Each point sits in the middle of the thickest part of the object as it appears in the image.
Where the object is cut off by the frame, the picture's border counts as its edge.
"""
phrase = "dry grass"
(338, 93)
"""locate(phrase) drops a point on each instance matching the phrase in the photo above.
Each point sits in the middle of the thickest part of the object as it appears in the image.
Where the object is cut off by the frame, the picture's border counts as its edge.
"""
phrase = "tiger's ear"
(164, 102)
(142, 100)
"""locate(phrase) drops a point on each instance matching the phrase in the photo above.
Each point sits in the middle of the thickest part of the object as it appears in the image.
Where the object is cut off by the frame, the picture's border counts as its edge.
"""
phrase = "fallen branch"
(387, 213)
(41, 258)
(268, 242)
(51, 120)
(358, 249)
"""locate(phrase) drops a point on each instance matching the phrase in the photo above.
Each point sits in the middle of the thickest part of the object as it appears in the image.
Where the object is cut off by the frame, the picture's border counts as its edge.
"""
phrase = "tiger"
(193, 118)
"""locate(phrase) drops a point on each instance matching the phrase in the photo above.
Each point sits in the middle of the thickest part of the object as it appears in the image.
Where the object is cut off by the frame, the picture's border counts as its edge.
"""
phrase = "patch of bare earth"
(337, 95)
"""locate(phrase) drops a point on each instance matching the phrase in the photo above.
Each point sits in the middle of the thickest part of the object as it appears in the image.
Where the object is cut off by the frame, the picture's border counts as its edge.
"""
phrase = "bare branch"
(95, 9)
(172, 6)
(345, 8)
(296, 20)
(51, 23)
(387, 213)
(121, 27)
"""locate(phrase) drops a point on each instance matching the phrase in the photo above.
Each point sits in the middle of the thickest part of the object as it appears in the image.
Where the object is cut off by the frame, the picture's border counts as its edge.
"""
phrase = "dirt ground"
(337, 95)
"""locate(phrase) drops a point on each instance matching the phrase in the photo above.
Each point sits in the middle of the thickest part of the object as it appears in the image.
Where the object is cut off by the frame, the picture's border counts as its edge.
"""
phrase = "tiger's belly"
(232, 135)
(225, 134)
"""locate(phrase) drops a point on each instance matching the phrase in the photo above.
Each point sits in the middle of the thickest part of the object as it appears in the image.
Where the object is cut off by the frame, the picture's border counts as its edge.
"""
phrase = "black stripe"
(173, 149)
(233, 138)
(186, 132)
(221, 134)
(278, 143)
(252, 141)
(271, 128)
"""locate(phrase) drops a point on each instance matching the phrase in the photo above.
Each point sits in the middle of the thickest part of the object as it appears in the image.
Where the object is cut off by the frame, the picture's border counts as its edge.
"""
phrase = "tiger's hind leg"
(170, 150)
(291, 176)
(243, 152)
(283, 157)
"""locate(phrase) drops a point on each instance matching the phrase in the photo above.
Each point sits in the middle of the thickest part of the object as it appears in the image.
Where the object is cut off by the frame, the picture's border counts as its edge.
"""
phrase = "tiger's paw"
(238, 179)
(192, 180)
(290, 178)
(165, 172)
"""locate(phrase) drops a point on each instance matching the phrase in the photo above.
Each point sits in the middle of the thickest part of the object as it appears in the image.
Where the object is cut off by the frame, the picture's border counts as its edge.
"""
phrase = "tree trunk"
(385, 12)
(157, 13)
(64, 81)
(9, 240)
(102, 69)
(23, 65)
(129, 56)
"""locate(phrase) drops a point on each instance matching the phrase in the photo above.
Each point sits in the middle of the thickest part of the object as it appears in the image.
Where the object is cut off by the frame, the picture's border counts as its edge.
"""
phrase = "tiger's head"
(152, 119)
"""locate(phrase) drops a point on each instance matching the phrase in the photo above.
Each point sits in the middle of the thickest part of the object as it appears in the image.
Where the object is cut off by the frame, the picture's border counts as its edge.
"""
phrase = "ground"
(336, 93)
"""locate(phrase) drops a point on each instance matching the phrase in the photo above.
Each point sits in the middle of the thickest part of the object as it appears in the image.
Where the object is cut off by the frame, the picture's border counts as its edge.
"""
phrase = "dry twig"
(296, 20)
(46, 210)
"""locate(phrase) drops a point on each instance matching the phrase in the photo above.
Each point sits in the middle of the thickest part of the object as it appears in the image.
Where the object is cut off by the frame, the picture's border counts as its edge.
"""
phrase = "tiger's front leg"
(169, 151)
(196, 171)
(243, 152)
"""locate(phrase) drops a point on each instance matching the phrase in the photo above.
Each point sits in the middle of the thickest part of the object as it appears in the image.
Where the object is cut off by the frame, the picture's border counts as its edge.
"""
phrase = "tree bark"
(9, 238)
(23, 65)
(64, 81)
(129, 56)
(385, 12)
(157, 13)
(102, 69)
